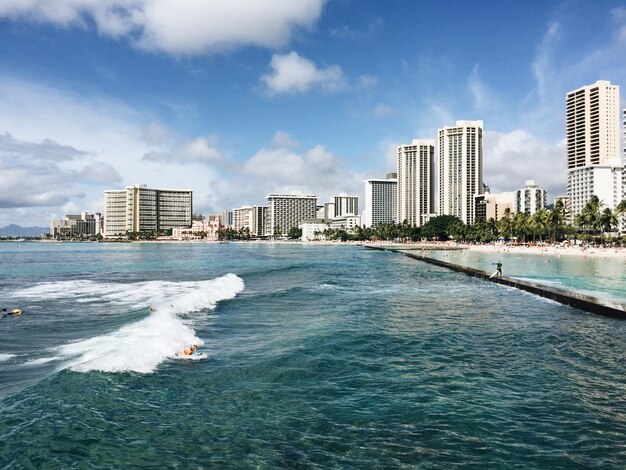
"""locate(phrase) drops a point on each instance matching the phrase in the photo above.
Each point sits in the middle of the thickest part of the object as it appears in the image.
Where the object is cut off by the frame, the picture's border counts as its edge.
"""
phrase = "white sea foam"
(140, 346)
(185, 297)
(5, 357)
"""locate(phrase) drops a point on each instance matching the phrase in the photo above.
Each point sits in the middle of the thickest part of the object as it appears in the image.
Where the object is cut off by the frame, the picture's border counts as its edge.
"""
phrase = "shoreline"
(547, 250)
(551, 251)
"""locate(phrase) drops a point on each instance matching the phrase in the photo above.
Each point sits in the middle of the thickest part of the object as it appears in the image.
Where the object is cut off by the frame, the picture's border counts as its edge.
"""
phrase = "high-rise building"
(142, 209)
(530, 199)
(592, 144)
(259, 218)
(624, 138)
(592, 124)
(380, 201)
(460, 169)
(77, 225)
(287, 211)
(416, 181)
(346, 205)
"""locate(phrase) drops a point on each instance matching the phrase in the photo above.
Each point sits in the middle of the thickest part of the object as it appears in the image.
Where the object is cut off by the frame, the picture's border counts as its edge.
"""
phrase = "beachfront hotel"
(380, 201)
(594, 165)
(141, 209)
(592, 124)
(531, 198)
(287, 211)
(416, 181)
(77, 225)
(460, 169)
(251, 217)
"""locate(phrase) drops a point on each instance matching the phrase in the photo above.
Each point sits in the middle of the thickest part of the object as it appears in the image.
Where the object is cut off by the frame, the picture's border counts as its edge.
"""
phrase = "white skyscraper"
(530, 199)
(286, 211)
(380, 201)
(460, 169)
(346, 205)
(592, 145)
(416, 181)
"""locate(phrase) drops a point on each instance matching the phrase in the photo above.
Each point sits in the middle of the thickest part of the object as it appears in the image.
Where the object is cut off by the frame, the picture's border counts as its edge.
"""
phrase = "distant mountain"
(17, 231)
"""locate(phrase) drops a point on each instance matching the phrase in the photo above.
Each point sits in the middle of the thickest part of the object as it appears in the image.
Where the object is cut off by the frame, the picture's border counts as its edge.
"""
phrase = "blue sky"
(236, 99)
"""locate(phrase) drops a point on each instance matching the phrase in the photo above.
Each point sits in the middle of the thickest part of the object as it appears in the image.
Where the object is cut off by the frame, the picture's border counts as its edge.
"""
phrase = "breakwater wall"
(572, 299)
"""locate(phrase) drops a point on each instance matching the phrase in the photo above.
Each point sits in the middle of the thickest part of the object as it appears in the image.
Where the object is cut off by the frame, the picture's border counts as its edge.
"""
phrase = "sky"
(236, 99)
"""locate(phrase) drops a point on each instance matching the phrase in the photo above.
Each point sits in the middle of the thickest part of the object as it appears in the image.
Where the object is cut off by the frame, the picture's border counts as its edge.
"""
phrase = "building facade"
(592, 124)
(287, 211)
(211, 227)
(460, 169)
(605, 181)
(346, 205)
(494, 206)
(530, 199)
(380, 201)
(592, 144)
(416, 181)
(82, 224)
(142, 209)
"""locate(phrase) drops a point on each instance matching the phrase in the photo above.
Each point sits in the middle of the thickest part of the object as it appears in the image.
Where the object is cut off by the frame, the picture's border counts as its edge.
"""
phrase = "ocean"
(310, 357)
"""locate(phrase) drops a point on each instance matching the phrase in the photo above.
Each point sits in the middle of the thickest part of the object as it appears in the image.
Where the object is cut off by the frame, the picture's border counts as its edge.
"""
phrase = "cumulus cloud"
(281, 167)
(201, 150)
(175, 27)
(59, 151)
(290, 73)
(511, 158)
(45, 150)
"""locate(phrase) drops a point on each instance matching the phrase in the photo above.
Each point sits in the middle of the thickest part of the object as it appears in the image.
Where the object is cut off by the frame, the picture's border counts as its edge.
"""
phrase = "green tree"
(439, 227)
(294, 233)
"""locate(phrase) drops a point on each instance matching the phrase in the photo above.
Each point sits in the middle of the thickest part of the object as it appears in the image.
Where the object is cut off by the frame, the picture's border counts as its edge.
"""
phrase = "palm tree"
(505, 224)
(607, 220)
(590, 215)
(556, 219)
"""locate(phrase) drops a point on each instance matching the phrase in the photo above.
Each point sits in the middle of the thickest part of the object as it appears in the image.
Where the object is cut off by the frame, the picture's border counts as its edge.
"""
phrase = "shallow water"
(595, 275)
(317, 357)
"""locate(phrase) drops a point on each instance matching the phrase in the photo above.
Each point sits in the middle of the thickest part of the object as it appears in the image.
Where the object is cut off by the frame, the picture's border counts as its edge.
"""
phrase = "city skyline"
(314, 96)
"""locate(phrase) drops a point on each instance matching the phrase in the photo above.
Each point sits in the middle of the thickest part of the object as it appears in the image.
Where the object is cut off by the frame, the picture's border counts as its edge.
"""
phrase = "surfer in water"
(187, 351)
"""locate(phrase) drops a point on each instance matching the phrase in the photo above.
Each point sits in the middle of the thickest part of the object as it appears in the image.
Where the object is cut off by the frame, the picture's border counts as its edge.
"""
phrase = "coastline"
(552, 251)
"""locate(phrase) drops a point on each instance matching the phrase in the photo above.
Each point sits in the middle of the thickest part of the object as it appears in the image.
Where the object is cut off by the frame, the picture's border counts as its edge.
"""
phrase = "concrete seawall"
(572, 299)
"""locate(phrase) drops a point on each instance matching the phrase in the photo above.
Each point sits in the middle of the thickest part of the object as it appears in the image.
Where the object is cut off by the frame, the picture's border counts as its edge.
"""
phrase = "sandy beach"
(553, 251)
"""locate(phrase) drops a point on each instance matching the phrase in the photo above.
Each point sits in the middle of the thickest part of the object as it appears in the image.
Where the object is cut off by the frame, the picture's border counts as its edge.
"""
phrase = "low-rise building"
(200, 229)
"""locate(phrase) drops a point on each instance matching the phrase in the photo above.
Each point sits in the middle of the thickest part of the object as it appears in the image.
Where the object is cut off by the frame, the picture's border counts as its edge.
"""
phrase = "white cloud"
(513, 157)
(482, 96)
(175, 27)
(60, 150)
(45, 150)
(292, 73)
(202, 150)
(279, 167)
(368, 81)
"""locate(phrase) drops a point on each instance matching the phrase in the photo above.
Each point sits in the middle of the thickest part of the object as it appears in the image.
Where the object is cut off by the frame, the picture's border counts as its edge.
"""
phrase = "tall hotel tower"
(460, 169)
(416, 181)
(381, 196)
(593, 155)
(139, 208)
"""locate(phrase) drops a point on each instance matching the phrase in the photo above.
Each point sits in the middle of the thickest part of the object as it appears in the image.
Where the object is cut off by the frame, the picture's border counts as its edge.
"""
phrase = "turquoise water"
(595, 275)
(313, 357)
